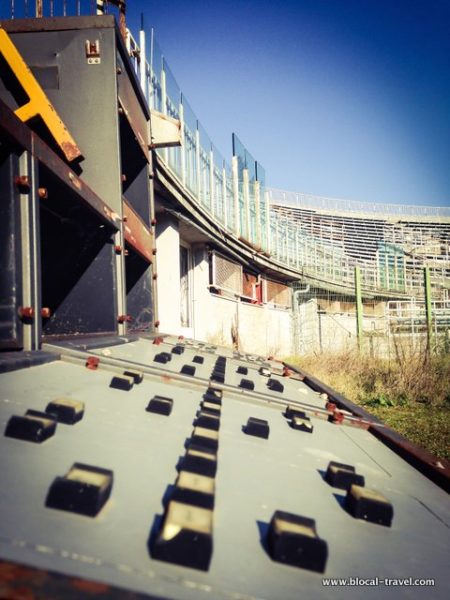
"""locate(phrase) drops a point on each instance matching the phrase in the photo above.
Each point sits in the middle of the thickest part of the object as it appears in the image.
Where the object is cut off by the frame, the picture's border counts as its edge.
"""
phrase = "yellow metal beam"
(38, 104)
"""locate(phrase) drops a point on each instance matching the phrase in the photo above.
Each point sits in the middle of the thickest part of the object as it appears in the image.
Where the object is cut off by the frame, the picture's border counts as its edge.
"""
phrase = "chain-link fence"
(331, 321)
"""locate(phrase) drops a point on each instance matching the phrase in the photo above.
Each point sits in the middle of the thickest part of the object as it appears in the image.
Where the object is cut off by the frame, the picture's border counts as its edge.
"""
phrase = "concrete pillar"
(168, 244)
(183, 145)
(212, 191)
(200, 291)
(237, 216)
(164, 105)
(143, 62)
(268, 228)
(226, 200)
(245, 189)
(257, 213)
(197, 159)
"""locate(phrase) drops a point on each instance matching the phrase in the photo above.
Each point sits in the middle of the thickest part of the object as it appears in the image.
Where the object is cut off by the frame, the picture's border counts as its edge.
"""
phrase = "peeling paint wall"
(216, 319)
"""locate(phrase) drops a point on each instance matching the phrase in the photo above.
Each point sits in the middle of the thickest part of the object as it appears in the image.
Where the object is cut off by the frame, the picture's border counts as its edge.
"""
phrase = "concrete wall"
(306, 328)
(214, 317)
(265, 330)
(262, 330)
(217, 319)
(223, 320)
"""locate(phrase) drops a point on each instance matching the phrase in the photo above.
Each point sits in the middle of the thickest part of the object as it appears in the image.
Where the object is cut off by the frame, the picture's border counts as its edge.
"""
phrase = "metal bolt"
(156, 323)
(125, 219)
(124, 319)
(22, 182)
(26, 312)
(123, 177)
(337, 417)
(154, 251)
(153, 222)
(118, 249)
(46, 313)
(43, 193)
(92, 362)
(155, 275)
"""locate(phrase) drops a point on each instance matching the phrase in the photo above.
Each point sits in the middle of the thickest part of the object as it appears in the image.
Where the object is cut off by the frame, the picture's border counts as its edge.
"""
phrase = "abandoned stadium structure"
(146, 283)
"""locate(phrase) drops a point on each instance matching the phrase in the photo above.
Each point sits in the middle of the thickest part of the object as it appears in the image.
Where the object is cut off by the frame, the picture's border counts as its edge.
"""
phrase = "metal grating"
(277, 294)
(226, 275)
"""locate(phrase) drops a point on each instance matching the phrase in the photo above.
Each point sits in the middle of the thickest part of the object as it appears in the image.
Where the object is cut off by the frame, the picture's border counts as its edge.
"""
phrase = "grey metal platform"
(255, 477)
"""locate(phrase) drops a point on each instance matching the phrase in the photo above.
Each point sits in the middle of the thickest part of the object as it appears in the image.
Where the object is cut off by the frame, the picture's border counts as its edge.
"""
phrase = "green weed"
(410, 394)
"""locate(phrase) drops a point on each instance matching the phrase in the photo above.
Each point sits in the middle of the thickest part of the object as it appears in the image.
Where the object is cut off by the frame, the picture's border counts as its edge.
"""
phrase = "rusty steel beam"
(38, 103)
(133, 121)
(20, 136)
(20, 581)
(136, 232)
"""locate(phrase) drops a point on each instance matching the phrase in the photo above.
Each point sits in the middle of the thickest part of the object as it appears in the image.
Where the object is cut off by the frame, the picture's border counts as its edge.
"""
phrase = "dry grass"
(410, 394)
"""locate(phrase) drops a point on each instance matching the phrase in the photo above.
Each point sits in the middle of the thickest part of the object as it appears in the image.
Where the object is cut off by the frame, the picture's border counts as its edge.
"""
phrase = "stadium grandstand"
(389, 244)
(392, 243)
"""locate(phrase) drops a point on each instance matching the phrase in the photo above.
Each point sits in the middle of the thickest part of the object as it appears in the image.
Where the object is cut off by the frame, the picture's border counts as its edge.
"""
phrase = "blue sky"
(342, 98)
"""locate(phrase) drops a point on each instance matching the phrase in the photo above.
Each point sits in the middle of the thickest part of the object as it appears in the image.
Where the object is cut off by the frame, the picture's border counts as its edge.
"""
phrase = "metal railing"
(240, 203)
(304, 200)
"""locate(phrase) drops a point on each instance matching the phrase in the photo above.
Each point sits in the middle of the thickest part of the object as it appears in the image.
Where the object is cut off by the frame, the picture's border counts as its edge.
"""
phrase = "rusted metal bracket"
(38, 104)
(16, 133)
